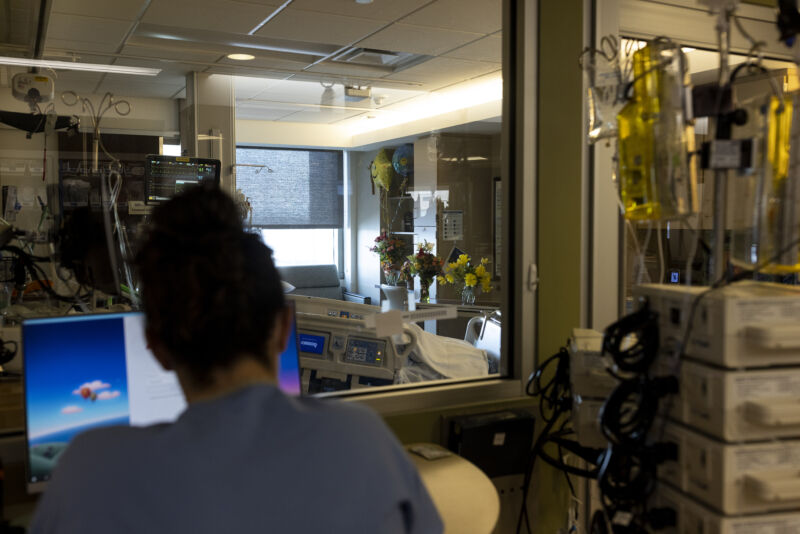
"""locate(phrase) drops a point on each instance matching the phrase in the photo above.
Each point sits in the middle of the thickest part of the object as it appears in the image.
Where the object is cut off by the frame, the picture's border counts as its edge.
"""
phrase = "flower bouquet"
(462, 273)
(426, 265)
(391, 252)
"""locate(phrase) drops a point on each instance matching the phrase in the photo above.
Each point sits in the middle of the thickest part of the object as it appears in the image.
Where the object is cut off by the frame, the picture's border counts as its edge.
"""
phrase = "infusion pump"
(339, 352)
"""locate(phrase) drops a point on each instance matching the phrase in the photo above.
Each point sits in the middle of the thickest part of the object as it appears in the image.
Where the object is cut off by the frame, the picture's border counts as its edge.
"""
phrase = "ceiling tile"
(418, 40)
(441, 72)
(216, 15)
(316, 27)
(161, 79)
(242, 71)
(165, 52)
(478, 16)
(81, 58)
(118, 9)
(266, 61)
(354, 72)
(490, 48)
(381, 10)
(260, 113)
(322, 116)
(82, 83)
(69, 45)
(86, 29)
(294, 91)
(20, 16)
(247, 87)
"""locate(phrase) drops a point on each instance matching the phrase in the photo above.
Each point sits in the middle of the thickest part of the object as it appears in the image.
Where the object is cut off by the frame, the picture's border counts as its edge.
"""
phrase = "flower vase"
(424, 290)
(396, 296)
(468, 296)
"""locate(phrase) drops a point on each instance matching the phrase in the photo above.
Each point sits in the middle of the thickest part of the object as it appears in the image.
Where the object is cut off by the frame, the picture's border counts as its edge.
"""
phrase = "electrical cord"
(555, 405)
(632, 342)
(26, 262)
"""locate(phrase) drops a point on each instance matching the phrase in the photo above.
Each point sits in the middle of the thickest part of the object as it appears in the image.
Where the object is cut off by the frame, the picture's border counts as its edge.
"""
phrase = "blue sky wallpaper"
(74, 373)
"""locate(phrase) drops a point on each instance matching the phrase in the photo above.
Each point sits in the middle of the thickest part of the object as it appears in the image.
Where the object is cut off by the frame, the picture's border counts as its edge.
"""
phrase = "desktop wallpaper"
(75, 379)
(289, 365)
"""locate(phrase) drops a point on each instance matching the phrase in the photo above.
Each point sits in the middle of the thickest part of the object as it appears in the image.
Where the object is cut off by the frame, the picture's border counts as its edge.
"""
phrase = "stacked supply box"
(590, 384)
(736, 419)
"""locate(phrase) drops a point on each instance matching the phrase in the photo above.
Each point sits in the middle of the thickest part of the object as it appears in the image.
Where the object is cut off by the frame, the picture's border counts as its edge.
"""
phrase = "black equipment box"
(499, 443)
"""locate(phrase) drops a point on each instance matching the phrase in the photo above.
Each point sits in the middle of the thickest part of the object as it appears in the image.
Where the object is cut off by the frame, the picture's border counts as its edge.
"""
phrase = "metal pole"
(718, 260)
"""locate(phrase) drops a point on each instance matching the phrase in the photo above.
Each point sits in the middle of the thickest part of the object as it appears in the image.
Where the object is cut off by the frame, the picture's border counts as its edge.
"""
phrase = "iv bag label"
(771, 385)
(766, 458)
(725, 154)
(767, 526)
(779, 311)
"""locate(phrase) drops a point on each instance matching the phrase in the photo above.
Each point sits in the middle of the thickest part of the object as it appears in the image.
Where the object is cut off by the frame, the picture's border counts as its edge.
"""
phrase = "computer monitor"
(165, 176)
(88, 371)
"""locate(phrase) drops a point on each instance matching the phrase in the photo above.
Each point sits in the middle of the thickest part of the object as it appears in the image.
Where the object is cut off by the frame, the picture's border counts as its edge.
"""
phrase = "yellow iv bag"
(657, 176)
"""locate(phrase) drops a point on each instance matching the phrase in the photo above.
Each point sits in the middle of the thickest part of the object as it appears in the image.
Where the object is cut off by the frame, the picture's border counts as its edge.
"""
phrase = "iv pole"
(718, 263)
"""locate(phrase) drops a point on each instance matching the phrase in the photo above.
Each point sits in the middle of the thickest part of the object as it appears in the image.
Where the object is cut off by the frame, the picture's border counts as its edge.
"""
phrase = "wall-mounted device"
(165, 176)
(33, 88)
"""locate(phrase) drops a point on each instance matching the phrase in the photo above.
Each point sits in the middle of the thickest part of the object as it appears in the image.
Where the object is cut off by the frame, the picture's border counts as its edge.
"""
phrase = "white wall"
(367, 226)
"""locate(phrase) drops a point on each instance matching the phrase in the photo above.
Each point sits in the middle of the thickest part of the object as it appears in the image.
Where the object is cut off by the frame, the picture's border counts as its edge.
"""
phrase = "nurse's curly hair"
(210, 291)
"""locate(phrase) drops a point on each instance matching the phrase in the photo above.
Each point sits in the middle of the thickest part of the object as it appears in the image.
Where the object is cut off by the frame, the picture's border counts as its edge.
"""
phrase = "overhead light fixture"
(69, 65)
(363, 1)
(241, 57)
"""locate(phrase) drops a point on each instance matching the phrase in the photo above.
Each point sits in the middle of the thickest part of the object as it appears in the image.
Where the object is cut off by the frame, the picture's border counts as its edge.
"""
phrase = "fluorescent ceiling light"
(69, 65)
(241, 57)
(460, 97)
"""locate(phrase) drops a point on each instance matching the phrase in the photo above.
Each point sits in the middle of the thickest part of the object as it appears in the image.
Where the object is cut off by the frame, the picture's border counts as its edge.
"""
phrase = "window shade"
(294, 188)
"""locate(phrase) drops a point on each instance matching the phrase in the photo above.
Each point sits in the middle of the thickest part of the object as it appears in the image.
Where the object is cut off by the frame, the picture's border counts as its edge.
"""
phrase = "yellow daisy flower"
(449, 278)
(480, 270)
(470, 280)
(484, 261)
(463, 259)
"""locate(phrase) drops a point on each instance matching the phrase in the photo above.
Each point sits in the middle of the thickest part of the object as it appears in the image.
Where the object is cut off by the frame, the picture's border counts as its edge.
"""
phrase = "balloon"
(381, 170)
(403, 160)
(86, 392)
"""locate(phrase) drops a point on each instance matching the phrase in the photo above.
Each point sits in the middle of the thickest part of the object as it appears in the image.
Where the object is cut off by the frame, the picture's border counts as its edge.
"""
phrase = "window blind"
(291, 188)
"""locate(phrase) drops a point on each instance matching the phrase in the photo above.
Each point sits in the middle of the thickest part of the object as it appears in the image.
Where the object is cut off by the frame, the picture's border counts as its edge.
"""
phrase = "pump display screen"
(312, 344)
(365, 351)
(166, 176)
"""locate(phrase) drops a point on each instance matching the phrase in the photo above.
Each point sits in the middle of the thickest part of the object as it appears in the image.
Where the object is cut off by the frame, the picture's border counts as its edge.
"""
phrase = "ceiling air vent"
(383, 59)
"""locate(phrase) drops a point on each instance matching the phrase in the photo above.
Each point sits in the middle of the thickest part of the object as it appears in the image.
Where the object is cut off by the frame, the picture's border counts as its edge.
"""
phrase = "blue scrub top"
(252, 461)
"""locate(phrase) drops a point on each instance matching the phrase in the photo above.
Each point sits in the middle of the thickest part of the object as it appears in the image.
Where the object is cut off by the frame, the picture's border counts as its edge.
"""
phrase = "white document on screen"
(154, 395)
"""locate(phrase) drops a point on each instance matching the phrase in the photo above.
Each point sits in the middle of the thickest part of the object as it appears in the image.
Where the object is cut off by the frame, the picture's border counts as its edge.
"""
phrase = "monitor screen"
(88, 371)
(289, 361)
(166, 176)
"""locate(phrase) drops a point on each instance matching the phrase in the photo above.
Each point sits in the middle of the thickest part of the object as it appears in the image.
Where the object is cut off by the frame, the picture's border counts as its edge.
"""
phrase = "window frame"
(519, 163)
(519, 289)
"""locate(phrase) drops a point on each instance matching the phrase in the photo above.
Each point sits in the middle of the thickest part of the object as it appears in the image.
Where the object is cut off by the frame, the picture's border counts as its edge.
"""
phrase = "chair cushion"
(313, 280)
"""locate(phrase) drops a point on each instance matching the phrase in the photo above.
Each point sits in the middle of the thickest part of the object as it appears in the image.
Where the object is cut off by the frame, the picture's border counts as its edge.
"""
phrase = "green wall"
(560, 182)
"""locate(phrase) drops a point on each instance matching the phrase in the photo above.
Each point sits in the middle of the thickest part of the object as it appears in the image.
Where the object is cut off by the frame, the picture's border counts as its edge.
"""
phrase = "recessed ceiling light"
(241, 57)
(363, 1)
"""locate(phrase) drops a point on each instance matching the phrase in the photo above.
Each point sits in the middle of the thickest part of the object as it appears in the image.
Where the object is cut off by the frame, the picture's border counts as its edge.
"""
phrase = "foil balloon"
(403, 160)
(381, 170)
